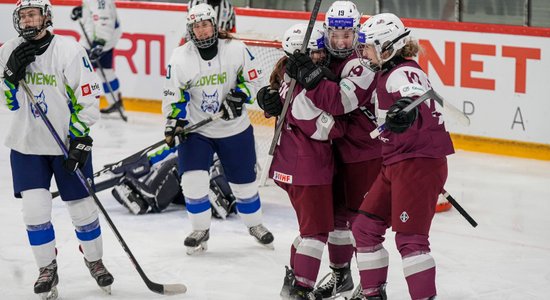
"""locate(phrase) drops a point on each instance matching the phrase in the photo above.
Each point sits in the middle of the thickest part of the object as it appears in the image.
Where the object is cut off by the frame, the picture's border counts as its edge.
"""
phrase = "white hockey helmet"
(294, 38)
(198, 13)
(29, 33)
(385, 32)
(225, 14)
(341, 15)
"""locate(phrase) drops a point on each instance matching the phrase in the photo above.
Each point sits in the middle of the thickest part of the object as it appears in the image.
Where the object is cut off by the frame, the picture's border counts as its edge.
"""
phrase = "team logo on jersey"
(282, 177)
(252, 74)
(95, 87)
(41, 102)
(210, 103)
(86, 89)
(404, 217)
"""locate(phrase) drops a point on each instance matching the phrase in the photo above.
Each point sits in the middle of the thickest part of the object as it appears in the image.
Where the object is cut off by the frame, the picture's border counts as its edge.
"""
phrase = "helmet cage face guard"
(204, 43)
(198, 13)
(30, 33)
(224, 10)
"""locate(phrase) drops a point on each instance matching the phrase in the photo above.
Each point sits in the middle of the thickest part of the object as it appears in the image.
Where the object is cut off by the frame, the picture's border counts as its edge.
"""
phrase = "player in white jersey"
(58, 72)
(102, 26)
(209, 74)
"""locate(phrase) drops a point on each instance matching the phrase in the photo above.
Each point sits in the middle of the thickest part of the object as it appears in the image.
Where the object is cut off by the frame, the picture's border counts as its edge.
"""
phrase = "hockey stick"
(107, 83)
(137, 155)
(450, 109)
(288, 98)
(459, 208)
(430, 94)
(165, 289)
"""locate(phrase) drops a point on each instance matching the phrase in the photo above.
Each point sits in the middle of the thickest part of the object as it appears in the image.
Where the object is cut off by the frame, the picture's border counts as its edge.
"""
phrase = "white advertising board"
(499, 79)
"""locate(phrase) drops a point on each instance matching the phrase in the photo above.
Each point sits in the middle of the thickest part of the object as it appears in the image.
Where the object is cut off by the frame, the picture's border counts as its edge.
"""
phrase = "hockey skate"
(124, 194)
(196, 242)
(98, 271)
(302, 293)
(262, 235)
(358, 294)
(46, 284)
(113, 107)
(288, 282)
(340, 284)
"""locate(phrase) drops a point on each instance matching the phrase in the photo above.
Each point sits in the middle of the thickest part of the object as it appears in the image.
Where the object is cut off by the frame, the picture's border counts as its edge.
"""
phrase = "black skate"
(302, 293)
(46, 284)
(98, 271)
(288, 282)
(358, 294)
(340, 284)
(262, 235)
(113, 107)
(196, 242)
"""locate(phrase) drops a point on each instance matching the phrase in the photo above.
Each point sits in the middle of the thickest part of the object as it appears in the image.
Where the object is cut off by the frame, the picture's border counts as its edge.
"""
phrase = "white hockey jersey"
(101, 22)
(195, 89)
(66, 88)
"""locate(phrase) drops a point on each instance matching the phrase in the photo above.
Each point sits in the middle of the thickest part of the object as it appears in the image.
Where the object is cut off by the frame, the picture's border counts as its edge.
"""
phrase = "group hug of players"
(347, 188)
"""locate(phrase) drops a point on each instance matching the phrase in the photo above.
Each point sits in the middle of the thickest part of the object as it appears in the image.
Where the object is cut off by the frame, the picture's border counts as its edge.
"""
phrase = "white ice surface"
(506, 257)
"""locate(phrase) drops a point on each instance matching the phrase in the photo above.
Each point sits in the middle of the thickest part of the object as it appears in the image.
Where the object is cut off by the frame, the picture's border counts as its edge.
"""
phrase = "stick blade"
(174, 289)
(167, 289)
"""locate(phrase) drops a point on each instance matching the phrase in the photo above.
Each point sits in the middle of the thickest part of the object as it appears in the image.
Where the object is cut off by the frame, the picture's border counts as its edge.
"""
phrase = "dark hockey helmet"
(197, 14)
(30, 32)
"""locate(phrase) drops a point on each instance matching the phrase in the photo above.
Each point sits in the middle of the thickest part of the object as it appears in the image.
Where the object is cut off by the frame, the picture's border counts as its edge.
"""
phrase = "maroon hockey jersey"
(427, 137)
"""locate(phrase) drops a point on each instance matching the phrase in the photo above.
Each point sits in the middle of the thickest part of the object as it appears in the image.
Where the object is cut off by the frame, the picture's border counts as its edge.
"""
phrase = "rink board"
(494, 73)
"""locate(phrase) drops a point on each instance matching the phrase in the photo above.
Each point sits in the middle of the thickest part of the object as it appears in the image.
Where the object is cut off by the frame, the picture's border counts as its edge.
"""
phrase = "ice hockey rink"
(506, 257)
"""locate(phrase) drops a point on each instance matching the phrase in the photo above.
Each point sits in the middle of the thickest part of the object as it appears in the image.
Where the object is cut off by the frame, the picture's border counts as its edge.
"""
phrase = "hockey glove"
(174, 127)
(270, 101)
(397, 120)
(76, 13)
(79, 150)
(97, 50)
(19, 59)
(300, 67)
(233, 105)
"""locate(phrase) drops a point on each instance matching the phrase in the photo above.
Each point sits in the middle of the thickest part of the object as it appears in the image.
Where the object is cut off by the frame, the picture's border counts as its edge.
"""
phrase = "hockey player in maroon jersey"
(307, 174)
(357, 156)
(303, 164)
(414, 169)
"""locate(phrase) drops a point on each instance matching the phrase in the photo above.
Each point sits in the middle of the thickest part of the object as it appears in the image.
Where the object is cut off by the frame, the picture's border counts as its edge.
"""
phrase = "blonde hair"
(411, 49)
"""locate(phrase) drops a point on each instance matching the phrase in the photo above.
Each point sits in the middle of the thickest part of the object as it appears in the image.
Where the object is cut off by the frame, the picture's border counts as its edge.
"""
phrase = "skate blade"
(342, 295)
(106, 289)
(51, 295)
(268, 246)
(197, 250)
